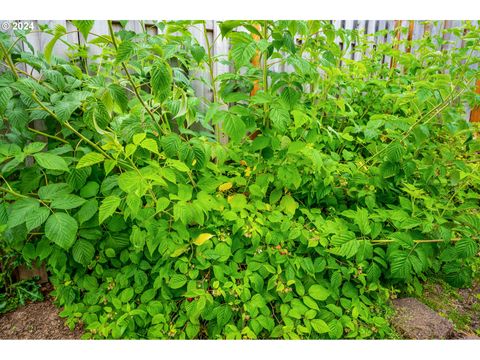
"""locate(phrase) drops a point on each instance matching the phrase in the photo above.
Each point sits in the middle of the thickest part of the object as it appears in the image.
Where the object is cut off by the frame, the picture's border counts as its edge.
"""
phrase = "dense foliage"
(340, 181)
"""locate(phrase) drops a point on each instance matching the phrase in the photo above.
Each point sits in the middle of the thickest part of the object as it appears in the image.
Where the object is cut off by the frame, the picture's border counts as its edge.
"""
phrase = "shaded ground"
(415, 320)
(35, 321)
(460, 306)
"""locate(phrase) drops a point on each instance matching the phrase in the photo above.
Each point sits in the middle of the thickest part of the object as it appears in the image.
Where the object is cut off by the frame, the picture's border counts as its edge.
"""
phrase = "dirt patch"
(36, 321)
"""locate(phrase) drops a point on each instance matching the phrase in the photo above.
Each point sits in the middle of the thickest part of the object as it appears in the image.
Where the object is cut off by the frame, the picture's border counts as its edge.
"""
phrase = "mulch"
(36, 321)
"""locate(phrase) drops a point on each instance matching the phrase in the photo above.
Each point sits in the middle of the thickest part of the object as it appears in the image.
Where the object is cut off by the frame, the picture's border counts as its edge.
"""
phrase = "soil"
(36, 321)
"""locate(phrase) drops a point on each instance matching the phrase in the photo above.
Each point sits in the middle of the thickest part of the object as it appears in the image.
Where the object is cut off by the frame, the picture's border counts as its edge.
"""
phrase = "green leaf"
(78, 177)
(280, 118)
(28, 251)
(65, 108)
(227, 26)
(34, 147)
(162, 204)
(177, 281)
(119, 96)
(67, 202)
(138, 238)
(96, 115)
(200, 156)
(134, 203)
(44, 248)
(19, 211)
(349, 248)
(36, 218)
(224, 314)
(400, 267)
(90, 159)
(238, 202)
(110, 252)
(87, 211)
(127, 295)
(171, 145)
(150, 145)
(471, 220)
(89, 190)
(84, 26)
(61, 228)
(131, 181)
(394, 151)
(51, 191)
(234, 127)
(374, 272)
(109, 165)
(161, 80)
(179, 165)
(336, 329)
(17, 117)
(3, 214)
(318, 292)
(466, 247)
(312, 304)
(300, 118)
(192, 330)
(83, 252)
(125, 51)
(289, 205)
(243, 48)
(108, 207)
(181, 211)
(59, 31)
(51, 161)
(179, 251)
(198, 53)
(138, 138)
(320, 326)
(148, 296)
(361, 219)
(5, 96)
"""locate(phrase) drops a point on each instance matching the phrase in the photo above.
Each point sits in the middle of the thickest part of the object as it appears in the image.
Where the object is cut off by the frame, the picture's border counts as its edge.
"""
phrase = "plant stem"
(386, 241)
(435, 111)
(213, 84)
(9, 60)
(135, 89)
(266, 119)
(14, 193)
(47, 135)
(69, 127)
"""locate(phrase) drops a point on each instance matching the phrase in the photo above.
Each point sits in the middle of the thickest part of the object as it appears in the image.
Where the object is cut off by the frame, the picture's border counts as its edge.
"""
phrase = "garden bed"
(158, 216)
(35, 321)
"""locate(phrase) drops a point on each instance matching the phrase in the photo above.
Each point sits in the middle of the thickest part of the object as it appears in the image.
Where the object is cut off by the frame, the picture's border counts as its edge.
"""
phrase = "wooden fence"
(381, 31)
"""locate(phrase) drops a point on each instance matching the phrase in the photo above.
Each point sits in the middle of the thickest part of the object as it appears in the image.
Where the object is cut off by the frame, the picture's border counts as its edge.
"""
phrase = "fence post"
(256, 61)
(411, 26)
(475, 112)
(398, 33)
